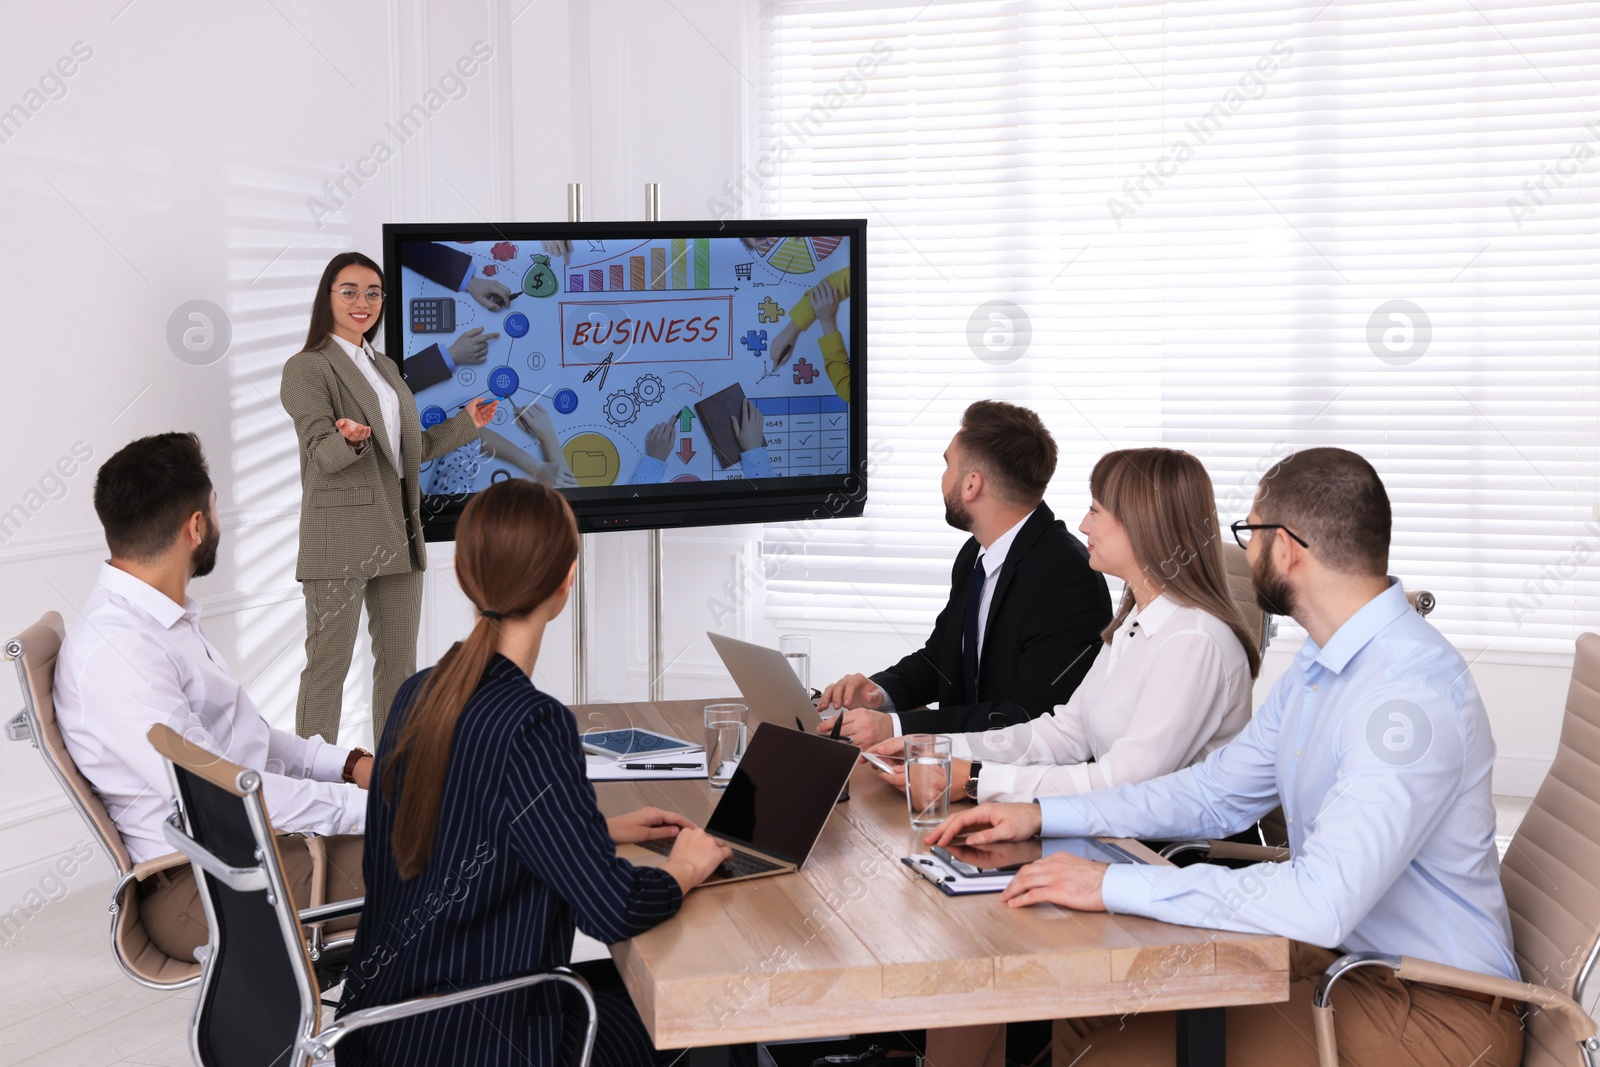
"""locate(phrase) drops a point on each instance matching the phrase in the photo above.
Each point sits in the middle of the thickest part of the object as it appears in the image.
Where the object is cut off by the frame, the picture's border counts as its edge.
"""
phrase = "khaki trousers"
(1379, 1020)
(333, 615)
(175, 919)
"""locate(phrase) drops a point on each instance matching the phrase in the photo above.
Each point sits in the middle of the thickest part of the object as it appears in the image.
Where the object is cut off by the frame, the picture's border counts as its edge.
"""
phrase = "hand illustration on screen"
(783, 344)
(747, 427)
(825, 302)
(557, 249)
(472, 346)
(490, 293)
(535, 422)
(658, 442)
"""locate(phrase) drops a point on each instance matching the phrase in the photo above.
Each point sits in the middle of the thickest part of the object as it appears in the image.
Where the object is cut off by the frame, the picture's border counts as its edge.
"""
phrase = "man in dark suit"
(1023, 621)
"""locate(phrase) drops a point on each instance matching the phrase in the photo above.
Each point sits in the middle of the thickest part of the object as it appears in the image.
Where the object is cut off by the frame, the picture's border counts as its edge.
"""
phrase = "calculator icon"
(433, 314)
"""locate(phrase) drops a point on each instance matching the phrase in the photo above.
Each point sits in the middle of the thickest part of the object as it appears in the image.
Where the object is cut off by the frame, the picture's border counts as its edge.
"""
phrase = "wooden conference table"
(857, 943)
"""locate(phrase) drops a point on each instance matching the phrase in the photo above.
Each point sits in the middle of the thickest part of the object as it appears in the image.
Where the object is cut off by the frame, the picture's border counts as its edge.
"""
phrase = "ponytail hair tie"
(486, 613)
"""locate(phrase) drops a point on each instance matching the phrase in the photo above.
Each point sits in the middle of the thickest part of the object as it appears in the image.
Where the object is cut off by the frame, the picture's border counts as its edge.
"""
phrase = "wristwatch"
(350, 761)
(972, 779)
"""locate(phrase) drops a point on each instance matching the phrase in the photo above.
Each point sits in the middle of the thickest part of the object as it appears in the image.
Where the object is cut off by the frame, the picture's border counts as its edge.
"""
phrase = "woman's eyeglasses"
(350, 294)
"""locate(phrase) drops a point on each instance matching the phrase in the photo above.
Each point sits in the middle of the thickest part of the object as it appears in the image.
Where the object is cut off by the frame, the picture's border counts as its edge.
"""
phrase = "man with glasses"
(1377, 747)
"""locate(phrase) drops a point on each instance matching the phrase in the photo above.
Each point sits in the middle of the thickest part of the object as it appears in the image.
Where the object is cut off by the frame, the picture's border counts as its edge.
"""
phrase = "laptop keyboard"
(741, 865)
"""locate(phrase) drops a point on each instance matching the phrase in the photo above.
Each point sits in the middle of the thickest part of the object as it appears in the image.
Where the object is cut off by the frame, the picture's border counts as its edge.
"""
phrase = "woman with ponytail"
(485, 846)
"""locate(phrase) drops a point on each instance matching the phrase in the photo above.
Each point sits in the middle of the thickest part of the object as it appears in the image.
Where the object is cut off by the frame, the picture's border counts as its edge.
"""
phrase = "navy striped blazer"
(521, 857)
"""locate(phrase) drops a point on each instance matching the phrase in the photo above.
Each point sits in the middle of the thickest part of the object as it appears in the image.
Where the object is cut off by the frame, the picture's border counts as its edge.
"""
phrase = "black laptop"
(777, 802)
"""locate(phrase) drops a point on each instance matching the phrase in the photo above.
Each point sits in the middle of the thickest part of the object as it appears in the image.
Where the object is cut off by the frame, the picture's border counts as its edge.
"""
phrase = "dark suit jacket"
(521, 857)
(1043, 632)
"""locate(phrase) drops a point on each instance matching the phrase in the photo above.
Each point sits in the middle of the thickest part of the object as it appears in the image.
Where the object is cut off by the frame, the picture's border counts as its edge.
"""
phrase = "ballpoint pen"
(660, 766)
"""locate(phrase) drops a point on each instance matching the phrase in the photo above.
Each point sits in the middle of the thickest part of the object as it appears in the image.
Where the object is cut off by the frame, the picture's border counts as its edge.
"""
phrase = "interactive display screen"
(658, 373)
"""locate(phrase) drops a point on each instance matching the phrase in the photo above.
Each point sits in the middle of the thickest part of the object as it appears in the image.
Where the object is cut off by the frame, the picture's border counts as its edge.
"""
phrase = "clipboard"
(715, 413)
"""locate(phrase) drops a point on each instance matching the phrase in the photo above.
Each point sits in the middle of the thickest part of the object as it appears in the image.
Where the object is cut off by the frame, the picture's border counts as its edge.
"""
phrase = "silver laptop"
(776, 804)
(769, 685)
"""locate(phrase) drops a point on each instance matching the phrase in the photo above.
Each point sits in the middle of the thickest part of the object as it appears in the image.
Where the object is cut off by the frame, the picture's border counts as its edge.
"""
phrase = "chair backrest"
(258, 993)
(34, 651)
(1243, 591)
(1551, 870)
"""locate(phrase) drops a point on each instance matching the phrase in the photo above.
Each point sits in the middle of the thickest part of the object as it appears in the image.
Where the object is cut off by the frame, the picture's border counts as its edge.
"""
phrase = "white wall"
(179, 161)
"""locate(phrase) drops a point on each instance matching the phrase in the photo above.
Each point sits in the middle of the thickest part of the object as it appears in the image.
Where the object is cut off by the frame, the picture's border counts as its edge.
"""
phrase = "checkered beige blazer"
(357, 519)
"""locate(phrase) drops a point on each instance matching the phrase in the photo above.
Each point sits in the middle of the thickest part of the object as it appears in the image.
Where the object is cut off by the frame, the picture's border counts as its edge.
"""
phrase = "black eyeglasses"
(1242, 528)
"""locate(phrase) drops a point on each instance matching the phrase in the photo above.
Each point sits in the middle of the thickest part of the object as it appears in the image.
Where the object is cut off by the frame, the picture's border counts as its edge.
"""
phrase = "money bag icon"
(540, 279)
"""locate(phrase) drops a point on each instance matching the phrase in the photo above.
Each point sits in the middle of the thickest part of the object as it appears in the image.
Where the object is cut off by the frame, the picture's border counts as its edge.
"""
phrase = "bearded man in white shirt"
(135, 657)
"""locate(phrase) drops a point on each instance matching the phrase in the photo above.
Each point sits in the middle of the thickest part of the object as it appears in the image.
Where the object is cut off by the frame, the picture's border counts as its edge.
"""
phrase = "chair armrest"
(337, 910)
(141, 871)
(1580, 1027)
(1228, 850)
(1578, 1023)
(320, 1046)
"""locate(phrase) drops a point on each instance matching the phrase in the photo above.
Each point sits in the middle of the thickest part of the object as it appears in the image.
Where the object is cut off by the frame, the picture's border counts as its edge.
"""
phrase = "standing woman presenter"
(361, 444)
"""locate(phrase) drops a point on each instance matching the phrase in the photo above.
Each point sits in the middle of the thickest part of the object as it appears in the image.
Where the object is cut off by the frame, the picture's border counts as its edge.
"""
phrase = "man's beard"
(1273, 594)
(204, 560)
(956, 513)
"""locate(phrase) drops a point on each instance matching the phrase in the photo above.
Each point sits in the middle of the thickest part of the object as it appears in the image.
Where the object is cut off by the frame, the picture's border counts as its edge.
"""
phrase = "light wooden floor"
(64, 1003)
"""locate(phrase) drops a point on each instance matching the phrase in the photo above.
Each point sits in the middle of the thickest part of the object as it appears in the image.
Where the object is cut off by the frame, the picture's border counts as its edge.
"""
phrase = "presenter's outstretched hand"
(852, 691)
(646, 824)
(481, 413)
(353, 431)
(490, 293)
(472, 346)
(988, 823)
(747, 427)
(658, 442)
(862, 727)
(695, 854)
(1065, 879)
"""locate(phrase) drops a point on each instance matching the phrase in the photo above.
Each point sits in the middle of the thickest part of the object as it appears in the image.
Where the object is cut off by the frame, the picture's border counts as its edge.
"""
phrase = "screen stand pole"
(580, 600)
(658, 681)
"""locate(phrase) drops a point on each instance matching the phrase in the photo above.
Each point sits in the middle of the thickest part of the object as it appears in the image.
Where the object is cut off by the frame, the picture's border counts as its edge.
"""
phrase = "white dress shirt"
(365, 360)
(134, 658)
(991, 559)
(1379, 750)
(1173, 685)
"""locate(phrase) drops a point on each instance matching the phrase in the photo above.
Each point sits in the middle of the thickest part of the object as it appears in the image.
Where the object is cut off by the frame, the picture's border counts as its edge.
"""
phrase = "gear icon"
(649, 390)
(621, 408)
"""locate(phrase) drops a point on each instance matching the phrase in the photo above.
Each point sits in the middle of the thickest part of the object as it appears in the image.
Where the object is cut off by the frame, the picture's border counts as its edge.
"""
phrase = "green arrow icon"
(685, 420)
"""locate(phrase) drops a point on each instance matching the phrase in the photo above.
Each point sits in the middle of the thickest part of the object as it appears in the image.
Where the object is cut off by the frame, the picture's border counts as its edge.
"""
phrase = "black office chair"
(259, 1001)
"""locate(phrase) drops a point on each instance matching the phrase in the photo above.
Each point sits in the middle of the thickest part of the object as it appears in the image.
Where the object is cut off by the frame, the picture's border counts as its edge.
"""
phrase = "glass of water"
(725, 738)
(796, 648)
(927, 780)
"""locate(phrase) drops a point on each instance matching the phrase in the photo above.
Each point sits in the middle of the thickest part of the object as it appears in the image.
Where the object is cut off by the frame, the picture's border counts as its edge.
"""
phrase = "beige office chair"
(1243, 591)
(1551, 876)
(34, 652)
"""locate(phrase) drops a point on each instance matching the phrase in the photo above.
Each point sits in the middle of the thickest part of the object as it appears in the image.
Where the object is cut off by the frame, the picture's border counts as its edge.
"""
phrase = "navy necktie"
(969, 636)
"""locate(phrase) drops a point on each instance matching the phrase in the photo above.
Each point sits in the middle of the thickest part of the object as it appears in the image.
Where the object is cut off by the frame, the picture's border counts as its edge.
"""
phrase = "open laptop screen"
(782, 792)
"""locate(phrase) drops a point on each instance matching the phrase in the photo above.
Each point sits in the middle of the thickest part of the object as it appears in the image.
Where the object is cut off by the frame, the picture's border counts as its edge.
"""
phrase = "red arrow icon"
(685, 450)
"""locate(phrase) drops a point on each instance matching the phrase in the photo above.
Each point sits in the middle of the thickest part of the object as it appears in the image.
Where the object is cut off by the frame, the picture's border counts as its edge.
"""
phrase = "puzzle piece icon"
(804, 373)
(755, 341)
(770, 311)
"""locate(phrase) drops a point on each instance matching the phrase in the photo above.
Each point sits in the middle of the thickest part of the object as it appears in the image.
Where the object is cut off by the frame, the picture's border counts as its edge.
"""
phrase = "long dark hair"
(322, 303)
(515, 544)
(1164, 498)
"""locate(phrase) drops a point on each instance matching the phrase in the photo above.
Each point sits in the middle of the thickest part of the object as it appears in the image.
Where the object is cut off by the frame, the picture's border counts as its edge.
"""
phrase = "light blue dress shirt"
(1379, 750)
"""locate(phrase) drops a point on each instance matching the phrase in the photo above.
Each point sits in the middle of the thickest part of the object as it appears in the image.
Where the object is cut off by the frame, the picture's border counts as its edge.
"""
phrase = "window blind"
(1235, 228)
